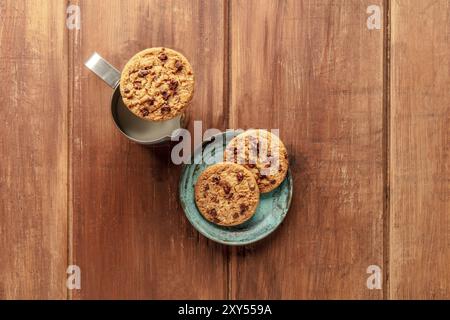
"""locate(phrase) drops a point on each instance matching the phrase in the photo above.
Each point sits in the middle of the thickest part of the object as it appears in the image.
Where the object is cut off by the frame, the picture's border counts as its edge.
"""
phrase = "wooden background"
(364, 114)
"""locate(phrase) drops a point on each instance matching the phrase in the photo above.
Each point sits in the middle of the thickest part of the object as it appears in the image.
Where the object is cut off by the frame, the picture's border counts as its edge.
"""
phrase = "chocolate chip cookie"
(157, 84)
(226, 194)
(262, 153)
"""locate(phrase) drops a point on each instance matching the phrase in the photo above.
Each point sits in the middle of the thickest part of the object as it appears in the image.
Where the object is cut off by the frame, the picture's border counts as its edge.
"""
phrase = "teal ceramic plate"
(271, 211)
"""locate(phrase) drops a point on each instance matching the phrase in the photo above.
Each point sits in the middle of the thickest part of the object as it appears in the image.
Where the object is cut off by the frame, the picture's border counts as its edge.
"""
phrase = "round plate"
(271, 210)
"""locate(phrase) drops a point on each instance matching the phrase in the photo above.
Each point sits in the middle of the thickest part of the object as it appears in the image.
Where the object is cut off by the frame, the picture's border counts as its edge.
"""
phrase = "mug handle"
(104, 70)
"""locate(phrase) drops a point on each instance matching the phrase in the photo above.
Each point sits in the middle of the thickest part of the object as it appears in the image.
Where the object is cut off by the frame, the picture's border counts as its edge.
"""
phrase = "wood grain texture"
(313, 70)
(33, 150)
(131, 237)
(420, 150)
(74, 190)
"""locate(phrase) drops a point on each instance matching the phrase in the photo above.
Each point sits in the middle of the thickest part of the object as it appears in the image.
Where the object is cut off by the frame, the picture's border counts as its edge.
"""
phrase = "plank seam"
(69, 149)
(71, 42)
(386, 148)
(227, 110)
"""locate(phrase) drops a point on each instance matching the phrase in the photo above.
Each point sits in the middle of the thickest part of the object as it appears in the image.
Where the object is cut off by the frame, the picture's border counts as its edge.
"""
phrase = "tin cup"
(134, 128)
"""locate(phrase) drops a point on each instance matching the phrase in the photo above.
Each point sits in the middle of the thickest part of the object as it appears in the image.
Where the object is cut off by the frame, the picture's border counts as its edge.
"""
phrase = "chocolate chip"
(178, 65)
(236, 215)
(212, 212)
(137, 85)
(240, 176)
(163, 57)
(215, 178)
(173, 84)
(145, 112)
(165, 108)
(126, 90)
(228, 195)
(165, 95)
(252, 187)
(254, 144)
(235, 151)
(261, 176)
(143, 73)
(150, 102)
(251, 165)
(273, 181)
(243, 208)
(271, 161)
(206, 188)
(226, 188)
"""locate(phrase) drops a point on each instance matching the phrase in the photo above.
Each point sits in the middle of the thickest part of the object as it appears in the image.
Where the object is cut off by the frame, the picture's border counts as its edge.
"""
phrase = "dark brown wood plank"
(131, 238)
(420, 150)
(315, 71)
(33, 150)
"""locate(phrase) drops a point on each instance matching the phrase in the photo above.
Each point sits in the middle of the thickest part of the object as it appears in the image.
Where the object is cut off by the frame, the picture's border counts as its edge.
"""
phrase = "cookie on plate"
(226, 194)
(157, 84)
(263, 154)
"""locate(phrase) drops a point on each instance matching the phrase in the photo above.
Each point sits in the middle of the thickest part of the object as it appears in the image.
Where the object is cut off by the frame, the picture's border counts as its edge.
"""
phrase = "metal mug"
(130, 125)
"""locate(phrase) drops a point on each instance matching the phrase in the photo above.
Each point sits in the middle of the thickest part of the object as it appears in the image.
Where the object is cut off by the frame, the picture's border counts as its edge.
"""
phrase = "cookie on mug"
(157, 84)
